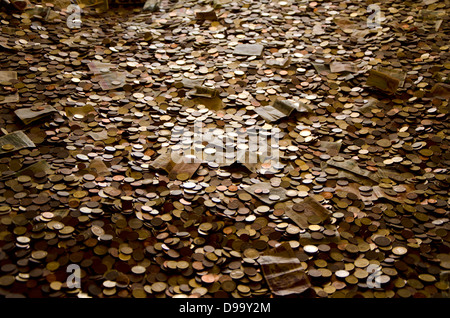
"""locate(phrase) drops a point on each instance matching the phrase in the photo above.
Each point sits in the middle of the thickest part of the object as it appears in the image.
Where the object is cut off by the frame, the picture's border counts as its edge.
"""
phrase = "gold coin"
(251, 253)
(79, 194)
(182, 265)
(399, 250)
(139, 293)
(427, 278)
(183, 176)
(56, 285)
(52, 266)
(159, 287)
(361, 262)
(8, 147)
(243, 289)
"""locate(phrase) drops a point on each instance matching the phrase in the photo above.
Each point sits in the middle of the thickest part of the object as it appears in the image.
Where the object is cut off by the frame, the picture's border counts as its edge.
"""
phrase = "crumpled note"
(283, 271)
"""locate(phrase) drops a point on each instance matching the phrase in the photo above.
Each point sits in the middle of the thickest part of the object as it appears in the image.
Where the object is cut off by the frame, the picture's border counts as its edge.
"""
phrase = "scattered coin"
(170, 171)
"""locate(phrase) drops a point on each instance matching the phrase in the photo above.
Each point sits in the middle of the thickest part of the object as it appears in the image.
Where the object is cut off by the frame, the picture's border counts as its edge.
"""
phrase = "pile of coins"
(129, 86)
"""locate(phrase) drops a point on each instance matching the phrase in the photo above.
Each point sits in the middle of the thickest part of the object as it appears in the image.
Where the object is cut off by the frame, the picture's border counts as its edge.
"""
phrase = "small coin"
(399, 250)
(310, 248)
(8, 147)
(159, 287)
(382, 241)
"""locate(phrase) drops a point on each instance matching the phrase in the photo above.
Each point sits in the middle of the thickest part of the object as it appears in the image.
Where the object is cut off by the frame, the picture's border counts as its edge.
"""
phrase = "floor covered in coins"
(313, 138)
